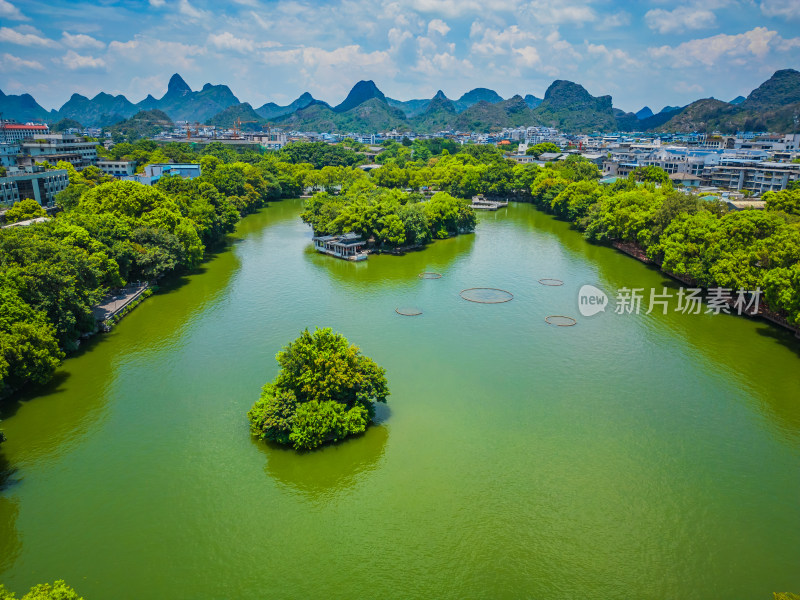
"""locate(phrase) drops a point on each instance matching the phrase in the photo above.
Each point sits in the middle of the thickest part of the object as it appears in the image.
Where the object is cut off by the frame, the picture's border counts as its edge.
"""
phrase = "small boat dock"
(480, 202)
(348, 246)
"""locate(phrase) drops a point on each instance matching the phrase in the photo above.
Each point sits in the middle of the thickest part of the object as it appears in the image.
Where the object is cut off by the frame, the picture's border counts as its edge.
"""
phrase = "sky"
(650, 52)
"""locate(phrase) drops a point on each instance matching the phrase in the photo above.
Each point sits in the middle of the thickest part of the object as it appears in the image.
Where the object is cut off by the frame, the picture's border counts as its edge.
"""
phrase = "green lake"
(630, 456)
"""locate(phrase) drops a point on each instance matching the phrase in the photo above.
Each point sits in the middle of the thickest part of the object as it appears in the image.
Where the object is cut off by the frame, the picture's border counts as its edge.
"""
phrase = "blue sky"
(652, 53)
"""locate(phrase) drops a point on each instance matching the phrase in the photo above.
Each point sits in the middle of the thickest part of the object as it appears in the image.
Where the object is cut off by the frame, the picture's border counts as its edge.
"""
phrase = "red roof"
(24, 126)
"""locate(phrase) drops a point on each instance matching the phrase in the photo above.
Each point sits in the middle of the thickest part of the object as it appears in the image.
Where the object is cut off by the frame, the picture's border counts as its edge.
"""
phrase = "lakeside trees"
(44, 591)
(686, 236)
(326, 391)
(390, 217)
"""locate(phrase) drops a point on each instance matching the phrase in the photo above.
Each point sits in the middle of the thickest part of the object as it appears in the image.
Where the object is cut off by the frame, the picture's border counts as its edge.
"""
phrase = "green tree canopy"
(325, 391)
(24, 210)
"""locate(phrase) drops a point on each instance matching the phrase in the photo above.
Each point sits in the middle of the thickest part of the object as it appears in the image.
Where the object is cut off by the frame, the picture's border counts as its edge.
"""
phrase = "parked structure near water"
(480, 202)
(348, 246)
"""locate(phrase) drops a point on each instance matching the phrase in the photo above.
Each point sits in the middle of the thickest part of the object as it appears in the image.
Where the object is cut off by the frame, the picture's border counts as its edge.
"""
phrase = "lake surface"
(630, 456)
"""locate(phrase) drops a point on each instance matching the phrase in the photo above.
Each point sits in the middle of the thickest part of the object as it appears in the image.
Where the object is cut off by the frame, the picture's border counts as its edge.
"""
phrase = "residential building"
(14, 132)
(758, 177)
(59, 146)
(40, 185)
(152, 173)
(117, 168)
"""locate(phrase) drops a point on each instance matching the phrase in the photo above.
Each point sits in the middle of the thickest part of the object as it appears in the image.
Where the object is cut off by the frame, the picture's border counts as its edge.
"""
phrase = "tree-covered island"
(325, 391)
(391, 218)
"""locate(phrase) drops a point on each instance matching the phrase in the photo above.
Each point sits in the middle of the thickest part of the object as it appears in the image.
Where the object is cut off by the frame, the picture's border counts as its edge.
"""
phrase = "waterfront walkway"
(115, 303)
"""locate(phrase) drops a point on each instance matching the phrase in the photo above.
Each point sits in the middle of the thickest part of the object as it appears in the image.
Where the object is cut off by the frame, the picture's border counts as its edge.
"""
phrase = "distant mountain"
(145, 123)
(270, 110)
(627, 121)
(644, 113)
(569, 107)
(779, 90)
(737, 100)
(248, 118)
(476, 95)
(411, 108)
(370, 116)
(101, 111)
(486, 117)
(22, 108)
(439, 115)
(532, 101)
(770, 107)
(64, 124)
(183, 104)
(669, 109)
(148, 103)
(361, 92)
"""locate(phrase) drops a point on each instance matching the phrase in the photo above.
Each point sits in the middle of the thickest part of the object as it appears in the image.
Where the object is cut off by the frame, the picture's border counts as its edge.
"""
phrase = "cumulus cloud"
(10, 62)
(756, 43)
(9, 11)
(72, 60)
(81, 40)
(786, 9)
(612, 56)
(438, 26)
(16, 36)
(228, 41)
(679, 19)
(157, 3)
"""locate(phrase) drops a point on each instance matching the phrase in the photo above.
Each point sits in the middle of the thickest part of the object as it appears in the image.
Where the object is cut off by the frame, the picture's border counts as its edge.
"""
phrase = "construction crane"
(189, 130)
(237, 126)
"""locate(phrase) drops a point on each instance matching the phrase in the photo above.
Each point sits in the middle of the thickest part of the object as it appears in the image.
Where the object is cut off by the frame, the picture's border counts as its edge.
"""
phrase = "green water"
(627, 457)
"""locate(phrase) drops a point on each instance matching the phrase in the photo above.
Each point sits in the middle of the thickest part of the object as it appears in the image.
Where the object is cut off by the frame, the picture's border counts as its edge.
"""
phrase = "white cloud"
(688, 88)
(147, 50)
(527, 56)
(615, 57)
(14, 63)
(680, 19)
(756, 43)
(13, 36)
(186, 9)
(9, 11)
(786, 9)
(438, 26)
(72, 60)
(81, 40)
(157, 3)
(228, 41)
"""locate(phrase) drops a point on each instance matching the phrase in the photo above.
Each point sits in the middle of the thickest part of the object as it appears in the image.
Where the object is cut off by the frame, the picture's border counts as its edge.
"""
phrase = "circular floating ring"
(430, 275)
(483, 295)
(560, 320)
(408, 312)
(551, 282)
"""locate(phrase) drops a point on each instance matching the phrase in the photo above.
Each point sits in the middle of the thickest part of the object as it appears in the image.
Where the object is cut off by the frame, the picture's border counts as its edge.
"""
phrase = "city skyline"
(653, 53)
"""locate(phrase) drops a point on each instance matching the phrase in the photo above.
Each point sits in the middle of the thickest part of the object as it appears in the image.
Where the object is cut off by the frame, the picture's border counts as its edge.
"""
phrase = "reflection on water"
(386, 270)
(323, 473)
(9, 537)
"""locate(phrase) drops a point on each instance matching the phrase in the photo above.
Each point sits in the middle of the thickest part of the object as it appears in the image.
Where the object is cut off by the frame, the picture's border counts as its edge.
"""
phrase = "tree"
(539, 149)
(325, 391)
(787, 200)
(24, 210)
(650, 174)
(44, 591)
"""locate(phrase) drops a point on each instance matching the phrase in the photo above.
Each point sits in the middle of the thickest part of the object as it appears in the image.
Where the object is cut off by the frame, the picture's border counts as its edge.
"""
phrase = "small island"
(325, 391)
(385, 219)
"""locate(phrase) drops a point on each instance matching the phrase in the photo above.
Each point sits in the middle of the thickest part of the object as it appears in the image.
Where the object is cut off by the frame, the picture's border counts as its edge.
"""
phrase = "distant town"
(737, 168)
